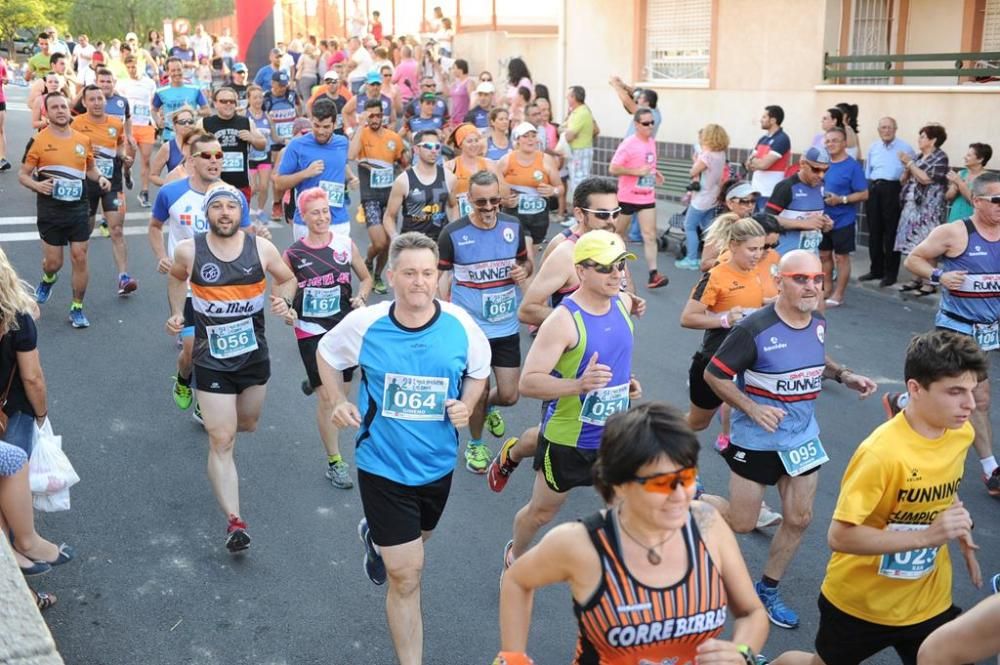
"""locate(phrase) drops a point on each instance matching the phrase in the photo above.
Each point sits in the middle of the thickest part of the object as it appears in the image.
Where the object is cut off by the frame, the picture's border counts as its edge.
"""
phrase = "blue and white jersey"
(262, 125)
(775, 365)
(118, 106)
(178, 206)
(406, 376)
(282, 113)
(171, 98)
(303, 151)
(481, 261)
(794, 199)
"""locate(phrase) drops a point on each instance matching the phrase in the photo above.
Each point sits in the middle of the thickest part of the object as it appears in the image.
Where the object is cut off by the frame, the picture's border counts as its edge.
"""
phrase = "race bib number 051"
(601, 404)
(408, 397)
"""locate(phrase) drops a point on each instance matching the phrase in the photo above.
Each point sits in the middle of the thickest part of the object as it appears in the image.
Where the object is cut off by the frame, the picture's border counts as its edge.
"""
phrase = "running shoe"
(507, 559)
(4, 165)
(237, 538)
(306, 387)
(144, 199)
(687, 264)
(995, 583)
(993, 483)
(196, 415)
(569, 222)
(495, 424)
(501, 466)
(183, 395)
(337, 474)
(374, 565)
(43, 291)
(380, 288)
(721, 442)
(477, 457)
(128, 178)
(78, 318)
(276, 212)
(105, 230)
(126, 285)
(781, 615)
(893, 403)
(657, 280)
(767, 517)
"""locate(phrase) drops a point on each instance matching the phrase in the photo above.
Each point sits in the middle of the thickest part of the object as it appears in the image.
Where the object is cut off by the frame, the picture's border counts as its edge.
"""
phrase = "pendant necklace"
(651, 554)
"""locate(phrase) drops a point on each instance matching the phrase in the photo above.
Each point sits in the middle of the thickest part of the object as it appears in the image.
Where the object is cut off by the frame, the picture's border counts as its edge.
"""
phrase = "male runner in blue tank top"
(581, 365)
(778, 356)
(964, 258)
(798, 204)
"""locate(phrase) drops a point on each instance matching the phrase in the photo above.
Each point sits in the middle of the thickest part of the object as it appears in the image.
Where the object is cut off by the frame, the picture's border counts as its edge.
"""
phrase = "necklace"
(651, 554)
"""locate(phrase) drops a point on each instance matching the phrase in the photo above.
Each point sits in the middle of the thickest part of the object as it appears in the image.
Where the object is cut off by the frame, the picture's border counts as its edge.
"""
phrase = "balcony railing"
(880, 67)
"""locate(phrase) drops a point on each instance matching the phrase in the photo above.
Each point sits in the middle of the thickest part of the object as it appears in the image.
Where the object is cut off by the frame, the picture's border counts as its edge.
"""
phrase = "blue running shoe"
(780, 614)
(43, 291)
(374, 566)
(78, 318)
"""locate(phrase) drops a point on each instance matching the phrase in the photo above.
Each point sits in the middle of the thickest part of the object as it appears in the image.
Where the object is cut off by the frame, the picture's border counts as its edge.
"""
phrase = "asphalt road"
(153, 583)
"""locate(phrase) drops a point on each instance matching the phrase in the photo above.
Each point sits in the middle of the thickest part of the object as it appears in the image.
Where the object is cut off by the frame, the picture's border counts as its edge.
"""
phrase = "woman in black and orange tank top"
(654, 578)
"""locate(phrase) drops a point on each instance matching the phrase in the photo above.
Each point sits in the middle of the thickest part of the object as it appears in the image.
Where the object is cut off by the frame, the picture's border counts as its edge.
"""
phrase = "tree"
(110, 19)
(29, 14)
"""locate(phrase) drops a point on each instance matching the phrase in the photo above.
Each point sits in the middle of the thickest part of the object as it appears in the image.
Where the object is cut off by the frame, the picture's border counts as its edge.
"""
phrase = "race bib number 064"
(408, 397)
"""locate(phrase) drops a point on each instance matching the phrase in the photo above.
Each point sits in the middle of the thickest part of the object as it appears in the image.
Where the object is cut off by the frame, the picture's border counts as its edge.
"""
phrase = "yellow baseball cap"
(602, 247)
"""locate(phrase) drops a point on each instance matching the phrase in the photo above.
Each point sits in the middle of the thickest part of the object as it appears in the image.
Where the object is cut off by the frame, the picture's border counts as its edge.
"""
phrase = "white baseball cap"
(485, 87)
(522, 129)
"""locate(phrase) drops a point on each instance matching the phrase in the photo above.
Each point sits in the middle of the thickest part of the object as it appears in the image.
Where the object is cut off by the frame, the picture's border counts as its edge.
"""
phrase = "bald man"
(778, 355)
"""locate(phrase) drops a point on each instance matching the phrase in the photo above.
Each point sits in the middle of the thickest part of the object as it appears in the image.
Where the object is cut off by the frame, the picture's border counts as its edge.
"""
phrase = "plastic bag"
(50, 472)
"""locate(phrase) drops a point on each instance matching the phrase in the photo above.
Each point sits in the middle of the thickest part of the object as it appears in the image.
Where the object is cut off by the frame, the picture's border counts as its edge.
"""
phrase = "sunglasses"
(648, 123)
(803, 278)
(429, 146)
(204, 154)
(225, 101)
(994, 199)
(486, 204)
(746, 202)
(603, 269)
(770, 246)
(604, 214)
(666, 483)
(184, 123)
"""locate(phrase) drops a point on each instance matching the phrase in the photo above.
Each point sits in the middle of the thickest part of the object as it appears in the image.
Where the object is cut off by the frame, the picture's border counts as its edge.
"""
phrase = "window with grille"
(991, 26)
(678, 39)
(871, 34)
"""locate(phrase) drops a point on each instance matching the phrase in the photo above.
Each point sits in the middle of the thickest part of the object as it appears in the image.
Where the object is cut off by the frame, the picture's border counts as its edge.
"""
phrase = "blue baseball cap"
(817, 156)
(280, 76)
(373, 77)
(239, 67)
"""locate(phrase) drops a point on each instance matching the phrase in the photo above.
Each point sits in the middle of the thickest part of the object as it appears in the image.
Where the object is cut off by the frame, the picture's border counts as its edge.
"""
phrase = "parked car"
(24, 43)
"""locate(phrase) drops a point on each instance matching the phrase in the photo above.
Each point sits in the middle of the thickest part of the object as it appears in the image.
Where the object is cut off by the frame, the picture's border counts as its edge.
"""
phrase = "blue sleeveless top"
(175, 157)
(978, 299)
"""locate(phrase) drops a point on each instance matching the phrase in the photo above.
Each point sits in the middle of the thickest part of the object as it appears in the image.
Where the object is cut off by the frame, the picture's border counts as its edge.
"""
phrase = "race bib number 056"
(408, 397)
(229, 340)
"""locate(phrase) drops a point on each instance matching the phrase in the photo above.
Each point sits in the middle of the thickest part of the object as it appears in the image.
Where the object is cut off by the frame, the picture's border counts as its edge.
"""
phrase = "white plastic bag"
(50, 472)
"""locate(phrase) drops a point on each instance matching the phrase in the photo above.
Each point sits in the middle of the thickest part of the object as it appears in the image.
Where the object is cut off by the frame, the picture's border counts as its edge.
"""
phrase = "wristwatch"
(843, 200)
(936, 276)
(748, 655)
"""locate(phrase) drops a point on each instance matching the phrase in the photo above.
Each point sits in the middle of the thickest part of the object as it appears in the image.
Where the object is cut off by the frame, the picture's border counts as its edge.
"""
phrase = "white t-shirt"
(202, 45)
(84, 54)
(364, 60)
(139, 93)
(710, 180)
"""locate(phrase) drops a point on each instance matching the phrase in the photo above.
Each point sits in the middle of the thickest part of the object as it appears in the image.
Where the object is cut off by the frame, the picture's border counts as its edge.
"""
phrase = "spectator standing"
(883, 171)
(155, 45)
(925, 182)
(307, 71)
(709, 172)
(518, 76)
(844, 187)
(832, 117)
(632, 98)
(201, 42)
(580, 130)
(959, 184)
(376, 26)
(407, 75)
(850, 112)
(459, 88)
(772, 155)
(359, 64)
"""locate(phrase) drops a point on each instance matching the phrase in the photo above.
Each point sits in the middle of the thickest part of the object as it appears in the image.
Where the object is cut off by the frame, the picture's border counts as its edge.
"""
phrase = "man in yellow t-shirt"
(888, 583)
(580, 130)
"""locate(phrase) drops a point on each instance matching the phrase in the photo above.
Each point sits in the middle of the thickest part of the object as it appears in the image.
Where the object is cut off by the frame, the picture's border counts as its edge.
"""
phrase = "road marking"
(30, 219)
(33, 235)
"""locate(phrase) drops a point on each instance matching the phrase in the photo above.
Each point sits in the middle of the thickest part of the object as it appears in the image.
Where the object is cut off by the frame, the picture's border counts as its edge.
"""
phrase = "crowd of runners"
(458, 183)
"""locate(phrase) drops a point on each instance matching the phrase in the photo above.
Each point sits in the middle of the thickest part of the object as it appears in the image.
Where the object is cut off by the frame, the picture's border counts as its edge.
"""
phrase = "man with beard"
(226, 268)
(777, 354)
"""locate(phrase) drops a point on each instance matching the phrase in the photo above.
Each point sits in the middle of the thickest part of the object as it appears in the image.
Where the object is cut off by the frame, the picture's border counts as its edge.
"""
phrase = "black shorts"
(760, 466)
(110, 201)
(3, 106)
(374, 209)
(506, 351)
(564, 467)
(841, 241)
(307, 349)
(632, 208)
(59, 226)
(843, 639)
(535, 225)
(702, 396)
(256, 163)
(232, 383)
(398, 513)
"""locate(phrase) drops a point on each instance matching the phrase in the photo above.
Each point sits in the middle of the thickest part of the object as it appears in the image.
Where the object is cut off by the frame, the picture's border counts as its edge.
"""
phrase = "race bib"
(320, 303)
(499, 306)
(807, 456)
(232, 162)
(911, 564)
(464, 207)
(408, 397)
(601, 404)
(335, 191)
(141, 114)
(229, 340)
(530, 204)
(381, 178)
(65, 189)
(810, 240)
(987, 335)
(283, 130)
(646, 182)
(106, 166)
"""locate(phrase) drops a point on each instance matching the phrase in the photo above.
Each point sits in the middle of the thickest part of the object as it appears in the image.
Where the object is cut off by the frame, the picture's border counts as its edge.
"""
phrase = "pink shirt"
(407, 71)
(633, 153)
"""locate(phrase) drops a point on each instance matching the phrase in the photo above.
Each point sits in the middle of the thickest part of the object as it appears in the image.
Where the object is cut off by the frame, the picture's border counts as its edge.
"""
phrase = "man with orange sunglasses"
(778, 358)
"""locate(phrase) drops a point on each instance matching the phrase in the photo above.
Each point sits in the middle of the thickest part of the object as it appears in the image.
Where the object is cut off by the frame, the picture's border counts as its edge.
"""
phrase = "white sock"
(989, 464)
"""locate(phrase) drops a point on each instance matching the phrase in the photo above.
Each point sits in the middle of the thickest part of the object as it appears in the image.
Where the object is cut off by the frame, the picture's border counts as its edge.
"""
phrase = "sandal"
(910, 286)
(923, 291)
(44, 600)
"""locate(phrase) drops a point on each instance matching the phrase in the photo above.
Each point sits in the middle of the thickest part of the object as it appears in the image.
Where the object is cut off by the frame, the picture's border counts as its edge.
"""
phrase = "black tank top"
(323, 296)
(425, 208)
(228, 299)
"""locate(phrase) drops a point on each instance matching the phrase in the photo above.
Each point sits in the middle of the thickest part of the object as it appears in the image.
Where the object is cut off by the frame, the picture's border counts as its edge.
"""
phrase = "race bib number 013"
(229, 340)
(911, 564)
(987, 335)
(802, 458)
(408, 397)
(601, 404)
(529, 204)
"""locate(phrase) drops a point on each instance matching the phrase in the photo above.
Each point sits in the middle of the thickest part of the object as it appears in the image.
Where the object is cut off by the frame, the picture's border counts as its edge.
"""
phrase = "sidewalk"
(859, 266)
